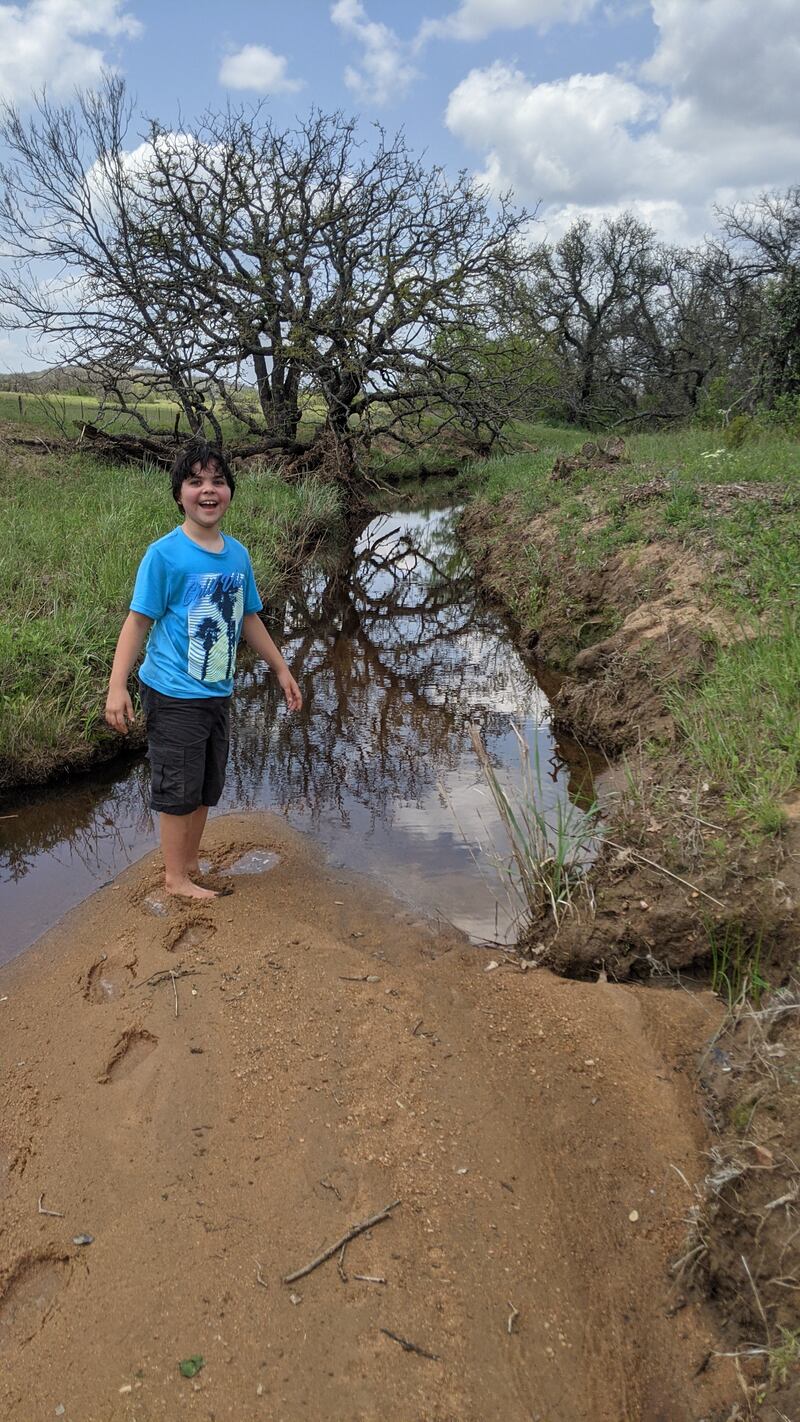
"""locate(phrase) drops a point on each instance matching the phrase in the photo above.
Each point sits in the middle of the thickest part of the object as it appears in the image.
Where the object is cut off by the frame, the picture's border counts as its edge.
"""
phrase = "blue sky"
(666, 107)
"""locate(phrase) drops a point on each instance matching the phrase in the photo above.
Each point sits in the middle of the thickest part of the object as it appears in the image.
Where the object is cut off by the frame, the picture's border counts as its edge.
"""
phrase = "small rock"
(295, 1298)
(462, 1170)
(127, 1387)
(60, 1410)
(83, 1239)
(494, 964)
(633, 1216)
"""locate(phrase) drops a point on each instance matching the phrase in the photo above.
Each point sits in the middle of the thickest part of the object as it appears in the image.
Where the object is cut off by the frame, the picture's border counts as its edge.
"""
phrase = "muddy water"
(395, 654)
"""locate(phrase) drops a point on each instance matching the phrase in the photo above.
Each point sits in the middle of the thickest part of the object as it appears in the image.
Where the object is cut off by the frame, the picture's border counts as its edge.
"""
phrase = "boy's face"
(205, 495)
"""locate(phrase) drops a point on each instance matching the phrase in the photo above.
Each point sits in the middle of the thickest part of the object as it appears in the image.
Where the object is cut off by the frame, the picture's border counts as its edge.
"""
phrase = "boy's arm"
(256, 636)
(119, 707)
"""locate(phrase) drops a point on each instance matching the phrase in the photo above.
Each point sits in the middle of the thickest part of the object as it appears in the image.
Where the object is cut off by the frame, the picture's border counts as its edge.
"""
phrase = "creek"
(395, 652)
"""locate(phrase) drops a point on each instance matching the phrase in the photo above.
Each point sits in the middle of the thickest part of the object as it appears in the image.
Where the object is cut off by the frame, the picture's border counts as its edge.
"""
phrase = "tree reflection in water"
(394, 653)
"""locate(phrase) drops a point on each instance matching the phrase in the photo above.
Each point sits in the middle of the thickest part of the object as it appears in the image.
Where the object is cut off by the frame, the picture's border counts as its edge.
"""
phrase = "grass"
(64, 413)
(738, 719)
(784, 1357)
(75, 530)
(736, 975)
(549, 852)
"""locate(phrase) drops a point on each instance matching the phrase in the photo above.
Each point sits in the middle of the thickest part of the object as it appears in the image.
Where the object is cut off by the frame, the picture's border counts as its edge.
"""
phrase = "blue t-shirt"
(197, 600)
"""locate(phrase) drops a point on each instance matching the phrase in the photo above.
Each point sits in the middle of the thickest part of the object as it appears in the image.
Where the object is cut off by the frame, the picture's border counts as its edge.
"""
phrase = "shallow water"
(395, 653)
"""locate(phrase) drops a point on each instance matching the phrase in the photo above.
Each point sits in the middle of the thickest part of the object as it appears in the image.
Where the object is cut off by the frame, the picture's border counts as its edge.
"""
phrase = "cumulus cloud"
(710, 117)
(254, 66)
(475, 19)
(384, 71)
(49, 42)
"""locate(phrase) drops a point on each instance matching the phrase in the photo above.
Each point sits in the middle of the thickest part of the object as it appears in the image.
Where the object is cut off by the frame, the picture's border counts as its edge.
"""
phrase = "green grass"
(549, 849)
(735, 964)
(739, 719)
(74, 533)
(64, 413)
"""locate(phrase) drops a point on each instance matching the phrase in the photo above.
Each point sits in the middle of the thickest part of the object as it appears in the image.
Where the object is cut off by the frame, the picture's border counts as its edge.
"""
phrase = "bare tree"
(259, 274)
(588, 290)
(763, 246)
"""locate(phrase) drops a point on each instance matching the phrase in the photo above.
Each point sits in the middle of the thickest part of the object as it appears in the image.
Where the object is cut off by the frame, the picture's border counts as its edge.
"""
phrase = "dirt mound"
(679, 885)
(249, 1095)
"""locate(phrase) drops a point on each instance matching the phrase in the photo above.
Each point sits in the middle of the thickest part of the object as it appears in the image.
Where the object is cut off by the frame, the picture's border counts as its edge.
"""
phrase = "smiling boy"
(196, 596)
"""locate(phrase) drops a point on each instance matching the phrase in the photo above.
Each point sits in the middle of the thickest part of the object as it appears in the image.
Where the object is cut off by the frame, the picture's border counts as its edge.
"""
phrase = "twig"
(410, 1347)
(56, 1214)
(514, 1314)
(174, 989)
(758, 1300)
(340, 1264)
(345, 1239)
(329, 1185)
(369, 1278)
(163, 974)
(259, 1276)
(634, 853)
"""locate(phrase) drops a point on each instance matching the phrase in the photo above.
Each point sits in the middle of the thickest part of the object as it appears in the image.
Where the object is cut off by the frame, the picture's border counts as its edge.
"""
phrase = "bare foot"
(185, 889)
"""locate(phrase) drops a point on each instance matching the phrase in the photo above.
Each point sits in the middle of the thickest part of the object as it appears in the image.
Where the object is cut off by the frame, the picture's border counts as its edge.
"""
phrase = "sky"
(665, 107)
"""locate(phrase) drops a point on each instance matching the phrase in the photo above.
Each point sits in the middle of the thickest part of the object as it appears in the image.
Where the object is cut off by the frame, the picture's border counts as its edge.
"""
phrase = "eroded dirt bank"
(331, 1054)
(682, 881)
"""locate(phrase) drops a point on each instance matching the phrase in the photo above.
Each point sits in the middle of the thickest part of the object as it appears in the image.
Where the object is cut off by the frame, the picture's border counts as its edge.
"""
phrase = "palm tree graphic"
(207, 634)
(223, 595)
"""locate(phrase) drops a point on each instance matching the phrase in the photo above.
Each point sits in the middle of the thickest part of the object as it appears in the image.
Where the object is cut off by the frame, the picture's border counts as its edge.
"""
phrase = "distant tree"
(763, 244)
(589, 291)
(340, 281)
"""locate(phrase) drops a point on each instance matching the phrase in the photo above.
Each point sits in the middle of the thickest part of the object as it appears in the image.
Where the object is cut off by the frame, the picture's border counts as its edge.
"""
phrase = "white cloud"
(256, 67)
(384, 72)
(712, 117)
(48, 42)
(475, 19)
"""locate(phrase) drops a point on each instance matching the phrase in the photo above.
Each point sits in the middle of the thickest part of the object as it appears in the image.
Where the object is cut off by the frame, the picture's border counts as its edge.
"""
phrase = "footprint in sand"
(133, 1047)
(193, 934)
(255, 861)
(28, 1296)
(107, 979)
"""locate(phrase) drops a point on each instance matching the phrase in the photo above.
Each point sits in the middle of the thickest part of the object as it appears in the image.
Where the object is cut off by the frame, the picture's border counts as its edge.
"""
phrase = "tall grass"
(75, 531)
(549, 850)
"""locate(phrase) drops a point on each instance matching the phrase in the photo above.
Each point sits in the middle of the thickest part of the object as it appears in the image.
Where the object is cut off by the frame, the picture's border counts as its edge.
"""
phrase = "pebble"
(633, 1216)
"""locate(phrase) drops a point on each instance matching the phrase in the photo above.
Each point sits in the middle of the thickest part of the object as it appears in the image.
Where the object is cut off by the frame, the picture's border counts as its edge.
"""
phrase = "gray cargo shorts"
(187, 744)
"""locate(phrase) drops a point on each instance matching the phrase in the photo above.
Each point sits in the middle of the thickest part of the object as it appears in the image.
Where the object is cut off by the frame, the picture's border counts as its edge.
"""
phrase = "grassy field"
(75, 531)
(63, 414)
(740, 723)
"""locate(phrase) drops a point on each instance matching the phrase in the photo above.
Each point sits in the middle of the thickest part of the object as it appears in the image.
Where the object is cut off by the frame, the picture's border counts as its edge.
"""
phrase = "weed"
(784, 1357)
(735, 964)
(550, 853)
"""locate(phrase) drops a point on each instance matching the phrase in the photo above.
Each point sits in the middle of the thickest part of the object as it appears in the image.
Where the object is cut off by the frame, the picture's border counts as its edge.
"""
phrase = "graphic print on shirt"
(216, 608)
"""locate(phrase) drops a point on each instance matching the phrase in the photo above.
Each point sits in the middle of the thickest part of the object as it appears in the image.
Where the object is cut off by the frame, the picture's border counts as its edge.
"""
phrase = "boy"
(195, 594)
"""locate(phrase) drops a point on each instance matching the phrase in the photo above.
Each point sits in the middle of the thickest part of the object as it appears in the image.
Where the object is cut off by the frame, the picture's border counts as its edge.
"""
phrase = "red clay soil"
(331, 1054)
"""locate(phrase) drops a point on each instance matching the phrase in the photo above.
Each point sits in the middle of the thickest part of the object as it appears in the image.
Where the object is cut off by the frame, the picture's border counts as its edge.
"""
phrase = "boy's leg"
(180, 837)
(198, 819)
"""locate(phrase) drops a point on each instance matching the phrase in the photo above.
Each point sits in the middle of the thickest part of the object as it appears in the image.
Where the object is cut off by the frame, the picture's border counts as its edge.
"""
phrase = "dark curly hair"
(198, 451)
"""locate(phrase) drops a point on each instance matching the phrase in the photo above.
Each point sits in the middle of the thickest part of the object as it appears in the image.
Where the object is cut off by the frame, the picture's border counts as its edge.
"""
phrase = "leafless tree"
(259, 274)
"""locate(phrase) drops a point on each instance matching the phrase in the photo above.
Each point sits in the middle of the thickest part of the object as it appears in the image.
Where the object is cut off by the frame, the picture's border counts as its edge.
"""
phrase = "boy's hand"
(119, 711)
(291, 691)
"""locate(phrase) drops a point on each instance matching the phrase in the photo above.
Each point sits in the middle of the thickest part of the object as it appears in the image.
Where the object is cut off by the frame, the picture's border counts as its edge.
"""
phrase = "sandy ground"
(330, 1054)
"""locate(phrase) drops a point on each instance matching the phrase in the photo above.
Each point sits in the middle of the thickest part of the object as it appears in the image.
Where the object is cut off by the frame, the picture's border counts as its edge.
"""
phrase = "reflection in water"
(394, 654)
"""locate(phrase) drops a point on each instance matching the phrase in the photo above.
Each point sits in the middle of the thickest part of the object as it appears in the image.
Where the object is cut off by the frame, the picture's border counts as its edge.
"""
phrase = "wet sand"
(217, 1093)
